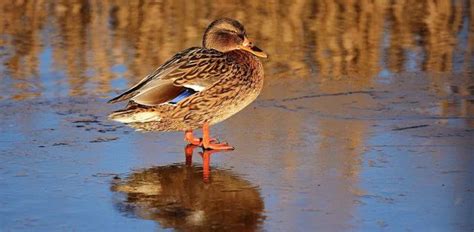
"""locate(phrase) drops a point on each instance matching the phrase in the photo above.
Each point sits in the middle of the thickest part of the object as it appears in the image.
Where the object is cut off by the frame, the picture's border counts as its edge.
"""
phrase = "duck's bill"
(255, 50)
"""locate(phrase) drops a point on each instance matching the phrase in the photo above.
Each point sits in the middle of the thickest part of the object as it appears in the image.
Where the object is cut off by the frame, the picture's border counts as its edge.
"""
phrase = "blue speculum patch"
(184, 94)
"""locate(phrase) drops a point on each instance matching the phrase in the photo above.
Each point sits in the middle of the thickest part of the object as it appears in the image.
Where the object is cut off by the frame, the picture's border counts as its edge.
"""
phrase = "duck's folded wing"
(155, 78)
(194, 68)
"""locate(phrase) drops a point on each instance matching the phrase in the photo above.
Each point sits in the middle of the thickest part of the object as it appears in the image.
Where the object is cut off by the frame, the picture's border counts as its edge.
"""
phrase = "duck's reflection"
(185, 197)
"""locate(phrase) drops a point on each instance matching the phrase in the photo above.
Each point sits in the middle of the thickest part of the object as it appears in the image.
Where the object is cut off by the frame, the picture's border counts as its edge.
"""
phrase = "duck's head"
(228, 34)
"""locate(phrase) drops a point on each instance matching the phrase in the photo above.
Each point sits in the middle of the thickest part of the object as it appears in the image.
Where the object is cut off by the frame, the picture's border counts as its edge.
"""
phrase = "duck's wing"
(155, 79)
(194, 68)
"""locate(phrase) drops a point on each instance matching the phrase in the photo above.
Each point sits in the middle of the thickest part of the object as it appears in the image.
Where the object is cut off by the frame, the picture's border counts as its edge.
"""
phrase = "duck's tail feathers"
(135, 115)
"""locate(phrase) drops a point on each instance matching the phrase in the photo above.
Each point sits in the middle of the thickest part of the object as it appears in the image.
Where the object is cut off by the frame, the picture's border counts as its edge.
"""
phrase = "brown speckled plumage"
(230, 79)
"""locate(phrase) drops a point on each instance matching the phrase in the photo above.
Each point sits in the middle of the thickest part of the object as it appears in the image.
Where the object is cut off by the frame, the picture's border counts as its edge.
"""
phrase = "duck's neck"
(243, 57)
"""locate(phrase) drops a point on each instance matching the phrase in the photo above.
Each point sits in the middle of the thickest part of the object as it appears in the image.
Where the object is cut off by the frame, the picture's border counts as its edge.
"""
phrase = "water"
(366, 120)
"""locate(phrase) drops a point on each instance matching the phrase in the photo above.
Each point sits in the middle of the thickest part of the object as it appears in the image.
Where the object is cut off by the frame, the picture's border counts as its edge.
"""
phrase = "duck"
(197, 87)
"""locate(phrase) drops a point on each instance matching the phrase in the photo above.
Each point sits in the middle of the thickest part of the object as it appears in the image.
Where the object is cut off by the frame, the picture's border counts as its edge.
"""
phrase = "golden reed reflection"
(88, 39)
(176, 197)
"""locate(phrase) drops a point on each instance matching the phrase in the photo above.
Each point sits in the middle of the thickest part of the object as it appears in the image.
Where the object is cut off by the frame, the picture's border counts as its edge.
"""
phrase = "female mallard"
(197, 87)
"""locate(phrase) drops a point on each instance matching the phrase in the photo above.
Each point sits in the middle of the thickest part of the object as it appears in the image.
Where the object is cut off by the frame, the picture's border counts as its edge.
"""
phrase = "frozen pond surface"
(366, 122)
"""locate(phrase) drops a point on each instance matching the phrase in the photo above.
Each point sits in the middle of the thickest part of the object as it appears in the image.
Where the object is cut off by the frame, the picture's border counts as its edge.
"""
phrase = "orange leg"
(208, 144)
(189, 137)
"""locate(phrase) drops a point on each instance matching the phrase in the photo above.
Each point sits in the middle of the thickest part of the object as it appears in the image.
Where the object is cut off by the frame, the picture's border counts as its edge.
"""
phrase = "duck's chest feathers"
(248, 71)
(229, 95)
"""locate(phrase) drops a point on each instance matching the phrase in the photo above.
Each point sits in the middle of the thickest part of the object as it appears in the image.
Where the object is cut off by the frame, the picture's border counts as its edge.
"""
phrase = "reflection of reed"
(456, 97)
(407, 21)
(443, 21)
(348, 37)
(333, 37)
(469, 56)
(71, 47)
(22, 37)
